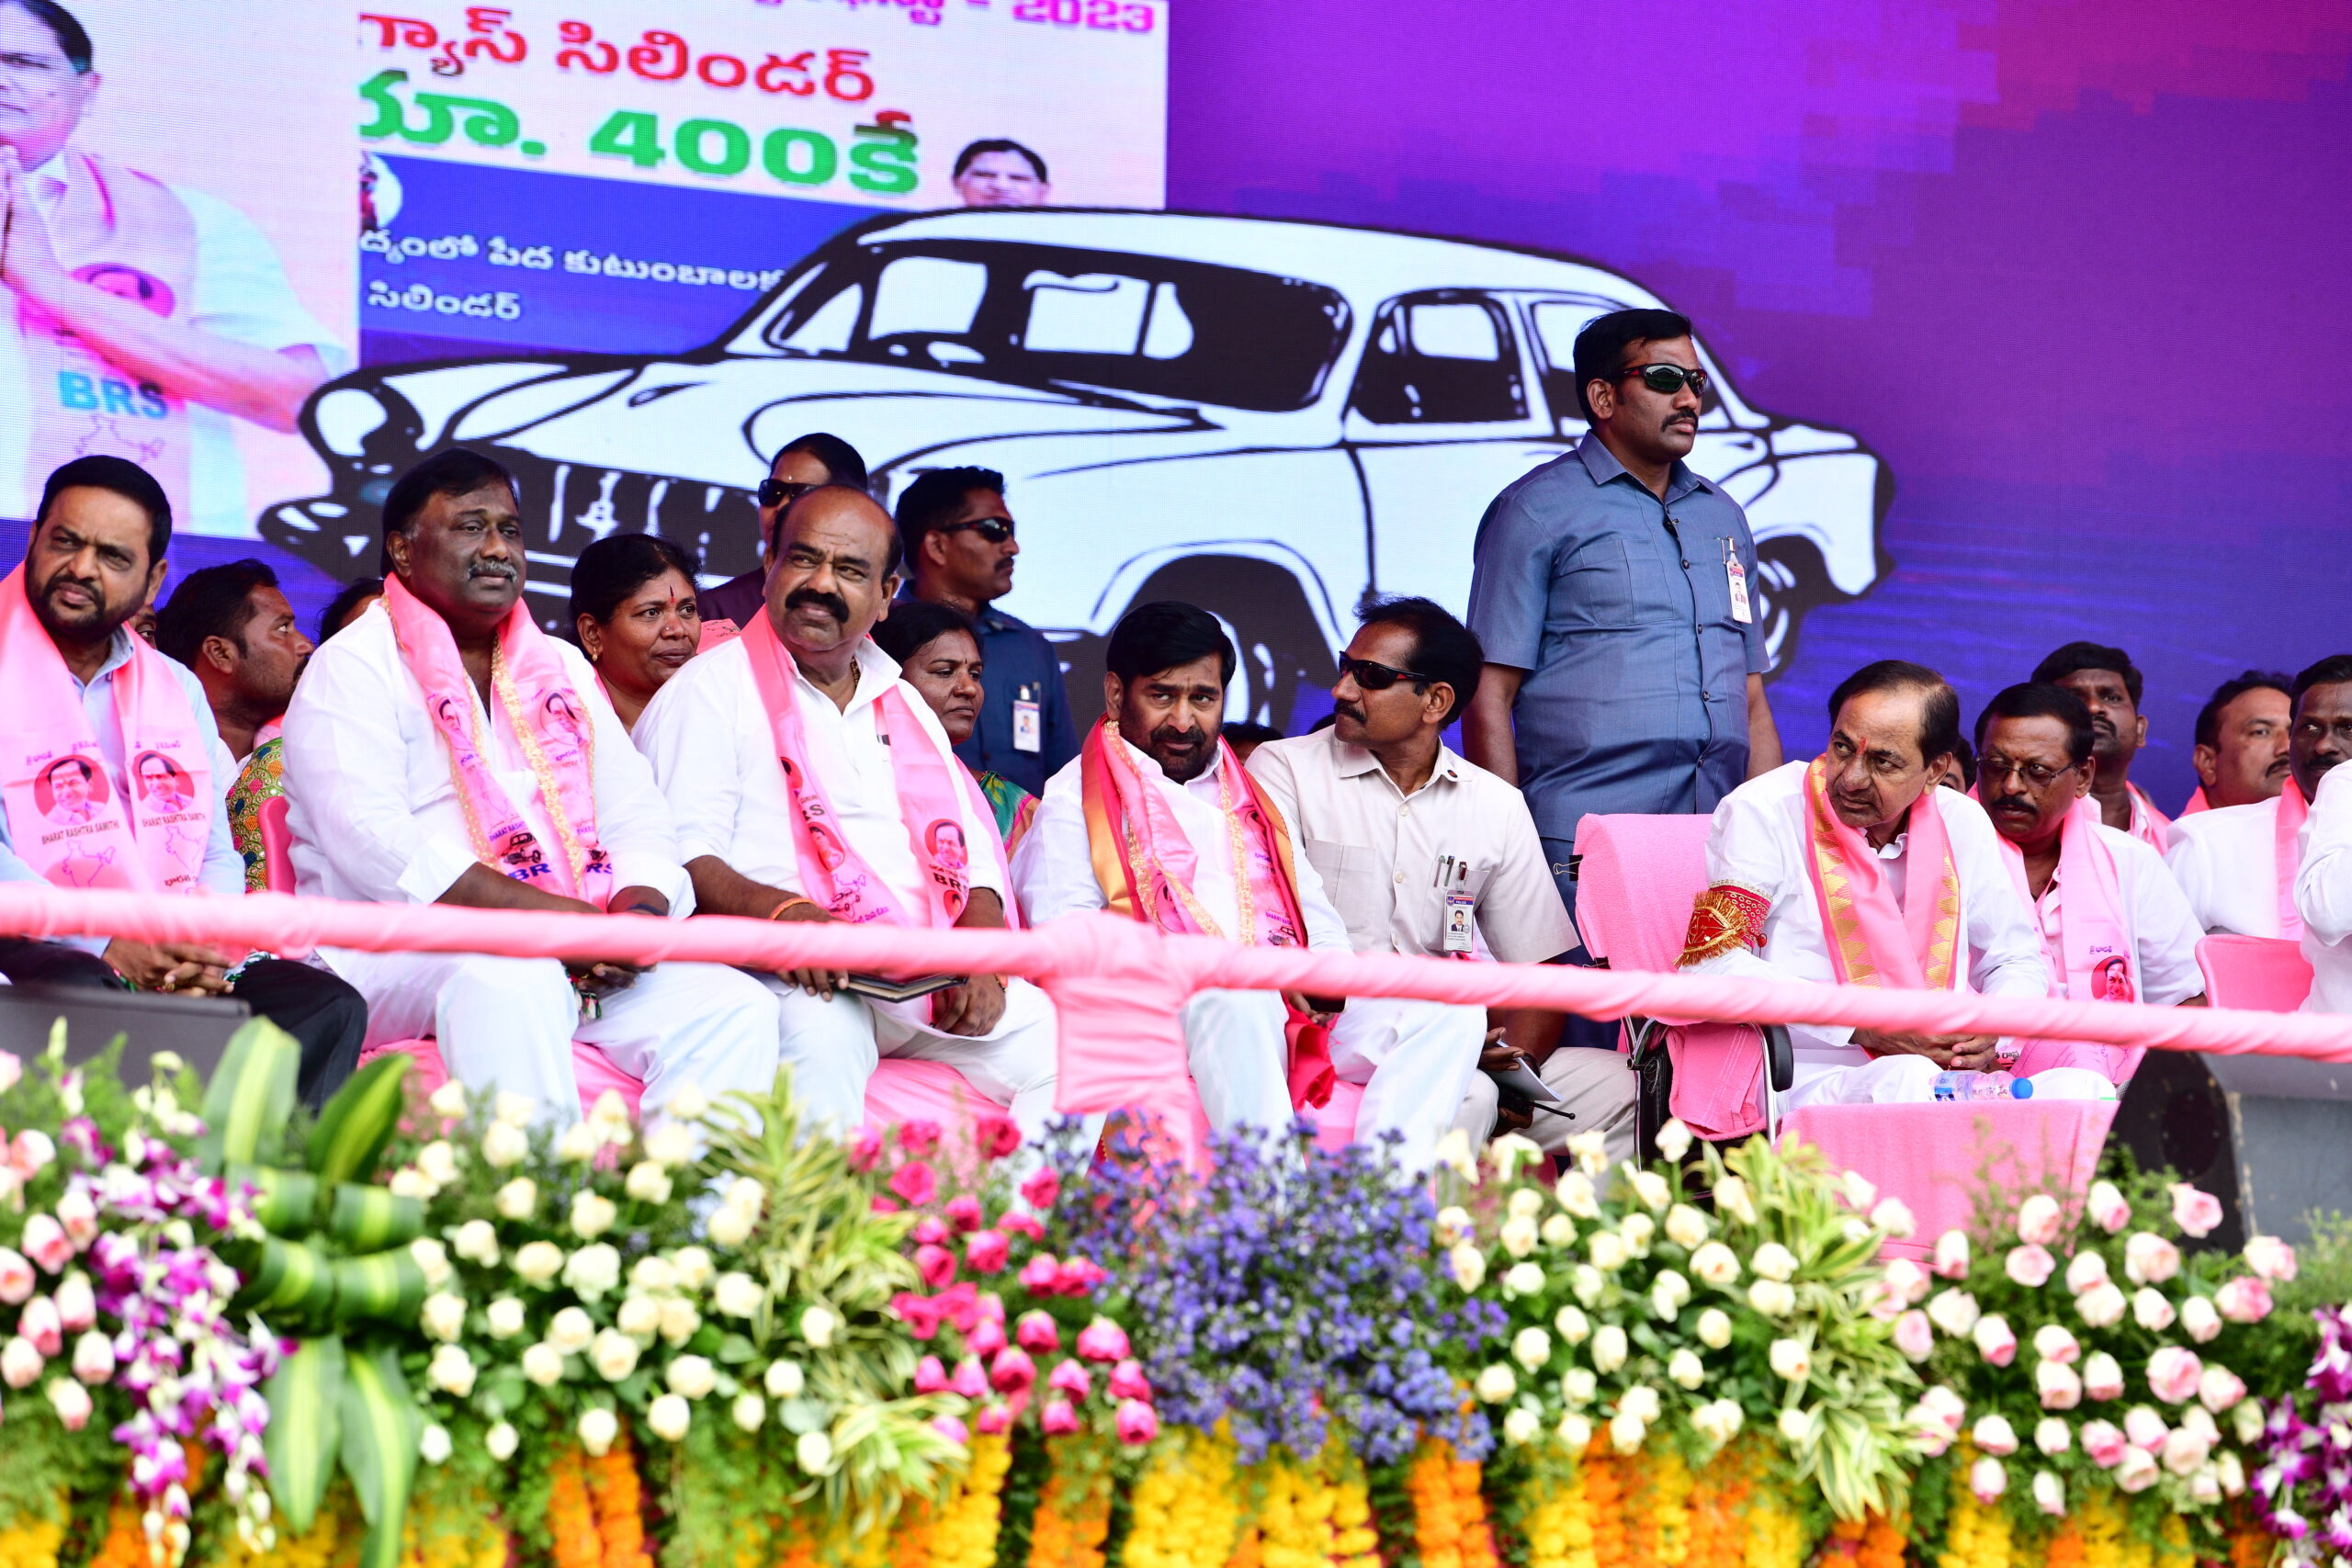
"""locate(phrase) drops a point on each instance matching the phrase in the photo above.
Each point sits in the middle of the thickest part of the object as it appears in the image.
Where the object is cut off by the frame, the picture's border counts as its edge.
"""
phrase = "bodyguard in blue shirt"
(1614, 592)
(960, 549)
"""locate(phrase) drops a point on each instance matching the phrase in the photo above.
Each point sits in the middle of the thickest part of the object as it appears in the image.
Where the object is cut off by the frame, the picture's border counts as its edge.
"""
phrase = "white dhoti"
(1234, 1042)
(1833, 1075)
(508, 1023)
(1415, 1060)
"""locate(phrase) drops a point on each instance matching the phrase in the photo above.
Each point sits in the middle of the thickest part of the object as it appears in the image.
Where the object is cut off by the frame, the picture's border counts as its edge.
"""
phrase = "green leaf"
(358, 1122)
(386, 1285)
(381, 1428)
(368, 1219)
(294, 1280)
(250, 1097)
(283, 1200)
(734, 1349)
(305, 1396)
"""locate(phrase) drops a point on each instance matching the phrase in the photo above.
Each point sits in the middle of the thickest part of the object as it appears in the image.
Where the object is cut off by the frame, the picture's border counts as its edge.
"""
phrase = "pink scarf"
(532, 688)
(930, 800)
(2287, 855)
(148, 838)
(2091, 955)
(1873, 941)
(2148, 825)
(2197, 802)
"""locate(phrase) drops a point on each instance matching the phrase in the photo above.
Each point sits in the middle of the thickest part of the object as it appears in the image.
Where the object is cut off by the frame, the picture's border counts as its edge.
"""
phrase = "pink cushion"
(1933, 1157)
(1636, 879)
(276, 855)
(1334, 1125)
(2262, 973)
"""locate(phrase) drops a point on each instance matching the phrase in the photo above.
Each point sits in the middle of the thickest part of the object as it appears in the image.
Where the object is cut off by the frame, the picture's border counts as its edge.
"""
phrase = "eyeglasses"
(995, 530)
(1667, 379)
(1379, 677)
(1993, 768)
(779, 493)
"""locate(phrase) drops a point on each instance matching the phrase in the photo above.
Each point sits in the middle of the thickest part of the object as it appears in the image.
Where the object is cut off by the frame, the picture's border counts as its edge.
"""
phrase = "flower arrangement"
(2303, 1483)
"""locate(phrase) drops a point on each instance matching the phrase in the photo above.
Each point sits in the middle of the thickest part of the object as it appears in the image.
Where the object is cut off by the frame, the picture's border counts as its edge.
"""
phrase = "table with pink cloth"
(1936, 1158)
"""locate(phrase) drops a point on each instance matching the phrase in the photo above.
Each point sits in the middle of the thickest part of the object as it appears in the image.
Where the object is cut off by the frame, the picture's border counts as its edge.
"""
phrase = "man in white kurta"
(1892, 726)
(710, 738)
(2324, 893)
(376, 815)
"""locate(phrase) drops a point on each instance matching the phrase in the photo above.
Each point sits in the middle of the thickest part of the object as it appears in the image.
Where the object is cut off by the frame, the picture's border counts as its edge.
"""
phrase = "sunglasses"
(777, 492)
(995, 530)
(1666, 378)
(1379, 677)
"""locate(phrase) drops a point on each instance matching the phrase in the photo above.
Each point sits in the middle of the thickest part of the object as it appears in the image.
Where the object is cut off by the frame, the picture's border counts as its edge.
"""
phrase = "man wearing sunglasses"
(960, 551)
(1614, 589)
(1424, 853)
(802, 464)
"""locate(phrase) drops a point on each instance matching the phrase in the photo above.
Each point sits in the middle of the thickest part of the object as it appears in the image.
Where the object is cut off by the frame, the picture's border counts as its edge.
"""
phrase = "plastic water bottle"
(1983, 1086)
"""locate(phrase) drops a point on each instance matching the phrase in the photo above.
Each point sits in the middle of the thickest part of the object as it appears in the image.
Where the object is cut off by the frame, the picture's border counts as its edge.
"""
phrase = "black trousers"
(324, 1015)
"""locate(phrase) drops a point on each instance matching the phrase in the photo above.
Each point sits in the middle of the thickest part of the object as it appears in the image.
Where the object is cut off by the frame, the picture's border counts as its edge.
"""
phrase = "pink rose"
(1137, 1421)
(1102, 1340)
(930, 1376)
(929, 1230)
(2084, 1270)
(1128, 1383)
(994, 1417)
(2137, 1470)
(71, 1403)
(1070, 1378)
(79, 1214)
(1915, 1335)
(12, 1068)
(40, 1323)
(93, 1359)
(964, 1213)
(883, 1203)
(77, 1306)
(936, 1265)
(2173, 1373)
(2029, 1265)
(2149, 1258)
(1012, 1371)
(1988, 1479)
(2102, 1306)
(2039, 1220)
(1037, 1332)
(919, 1137)
(1910, 1282)
(970, 1380)
(1057, 1418)
(2103, 1376)
(986, 1337)
(16, 1277)
(995, 1136)
(954, 1431)
(2057, 1384)
(1079, 1276)
(1039, 1275)
(2270, 1259)
(2220, 1389)
(2104, 1441)
(31, 1152)
(46, 1243)
(2199, 1319)
(915, 1182)
(2243, 1300)
(1994, 1341)
(2107, 1208)
(1043, 1187)
(959, 1305)
(2053, 1342)
(919, 1314)
(1951, 1255)
(1994, 1435)
(2186, 1452)
(20, 1363)
(1019, 1224)
(865, 1147)
(2195, 1213)
(986, 1252)
(2144, 1427)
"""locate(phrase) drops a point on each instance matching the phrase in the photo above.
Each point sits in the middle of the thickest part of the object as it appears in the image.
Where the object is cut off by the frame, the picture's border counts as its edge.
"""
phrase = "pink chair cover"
(1335, 1124)
(1933, 1157)
(2261, 973)
(276, 845)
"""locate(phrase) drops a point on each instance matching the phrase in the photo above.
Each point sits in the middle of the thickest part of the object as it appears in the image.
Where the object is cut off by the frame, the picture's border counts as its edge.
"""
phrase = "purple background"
(2079, 271)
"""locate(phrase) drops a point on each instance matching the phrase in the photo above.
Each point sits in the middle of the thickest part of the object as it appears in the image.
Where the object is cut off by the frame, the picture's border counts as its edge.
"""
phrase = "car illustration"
(1271, 419)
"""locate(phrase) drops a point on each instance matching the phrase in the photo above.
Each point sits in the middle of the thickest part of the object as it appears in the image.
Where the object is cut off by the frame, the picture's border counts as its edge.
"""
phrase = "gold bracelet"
(788, 903)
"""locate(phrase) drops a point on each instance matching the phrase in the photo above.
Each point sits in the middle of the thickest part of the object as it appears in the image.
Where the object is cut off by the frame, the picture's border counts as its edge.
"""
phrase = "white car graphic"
(1270, 419)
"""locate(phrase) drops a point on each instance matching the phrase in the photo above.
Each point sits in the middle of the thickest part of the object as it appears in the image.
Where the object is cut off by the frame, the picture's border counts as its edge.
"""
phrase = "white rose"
(1954, 1312)
(518, 1200)
(501, 1441)
(597, 1428)
(785, 1379)
(1669, 1293)
(1732, 1197)
(1530, 1348)
(433, 1443)
(692, 1377)
(1523, 1280)
(2199, 1319)
(1560, 1230)
(1606, 1248)
(437, 1162)
(2049, 1493)
(730, 1227)
(1521, 1424)
(2053, 1436)
(1454, 1223)
(1575, 1431)
(580, 1142)
(431, 1258)
(653, 1275)
(1573, 1325)
(539, 1261)
(1468, 1265)
(1578, 1385)
(505, 1146)
(2102, 1306)
(673, 1143)
(1519, 1233)
(749, 1412)
(1792, 1359)
(1994, 1435)
(1715, 1328)
(443, 1316)
(410, 1183)
(1591, 1151)
(477, 1242)
(1497, 1383)
(1608, 1348)
(1685, 1226)
(1794, 1427)
(1637, 1229)
(1589, 1283)
(1452, 1152)
(1673, 1141)
(1894, 1216)
(640, 1318)
(1650, 1188)
(614, 1354)
(669, 1417)
(1684, 1368)
(1772, 1298)
(1716, 1264)
(818, 1327)
(515, 1109)
(448, 1102)
(2150, 1310)
(1627, 1433)
(694, 1268)
(451, 1371)
(504, 1317)
(1718, 1422)
(746, 1194)
(679, 1320)
(593, 1271)
(1526, 1200)
(593, 1215)
(571, 1331)
(1640, 1402)
(1774, 1261)
(1577, 1196)
(648, 1182)
(814, 1451)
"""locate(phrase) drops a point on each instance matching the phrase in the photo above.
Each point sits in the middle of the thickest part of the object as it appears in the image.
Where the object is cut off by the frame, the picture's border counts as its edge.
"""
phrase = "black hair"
(453, 470)
(934, 497)
(215, 601)
(1600, 348)
(2077, 657)
(843, 464)
(72, 38)
(126, 478)
(1164, 633)
(914, 624)
(999, 144)
(612, 568)
(2041, 699)
(88, 774)
(1964, 756)
(346, 599)
(2209, 718)
(897, 551)
(2332, 670)
(1939, 710)
(1248, 732)
(1443, 646)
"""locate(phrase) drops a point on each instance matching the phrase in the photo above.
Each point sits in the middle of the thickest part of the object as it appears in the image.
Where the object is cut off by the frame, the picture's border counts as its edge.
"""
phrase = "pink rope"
(1097, 954)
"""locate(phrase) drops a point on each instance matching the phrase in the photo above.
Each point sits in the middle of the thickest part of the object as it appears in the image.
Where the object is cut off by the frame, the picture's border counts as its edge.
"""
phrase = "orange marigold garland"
(574, 1541)
(1072, 1521)
(1604, 1495)
(1450, 1524)
(620, 1505)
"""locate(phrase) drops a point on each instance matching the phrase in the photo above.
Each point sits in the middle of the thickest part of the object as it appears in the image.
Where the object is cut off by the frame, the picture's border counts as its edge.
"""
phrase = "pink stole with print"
(531, 686)
(1871, 940)
(2287, 855)
(69, 818)
(2093, 957)
(929, 801)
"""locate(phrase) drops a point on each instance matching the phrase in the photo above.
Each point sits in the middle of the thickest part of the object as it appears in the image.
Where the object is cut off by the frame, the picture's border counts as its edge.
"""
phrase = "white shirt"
(713, 753)
(241, 294)
(374, 813)
(2158, 923)
(1379, 853)
(2323, 892)
(1759, 840)
(2226, 861)
(1054, 868)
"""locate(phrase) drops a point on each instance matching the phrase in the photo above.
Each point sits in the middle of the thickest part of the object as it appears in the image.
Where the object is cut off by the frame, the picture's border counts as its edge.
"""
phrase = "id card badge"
(1028, 723)
(1736, 576)
(1461, 913)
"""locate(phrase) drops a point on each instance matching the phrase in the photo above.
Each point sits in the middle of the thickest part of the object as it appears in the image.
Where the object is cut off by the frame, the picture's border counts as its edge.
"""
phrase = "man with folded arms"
(112, 769)
(2237, 863)
(1157, 820)
(2114, 926)
(2110, 685)
(1424, 853)
(2241, 753)
(1909, 877)
(811, 783)
(442, 750)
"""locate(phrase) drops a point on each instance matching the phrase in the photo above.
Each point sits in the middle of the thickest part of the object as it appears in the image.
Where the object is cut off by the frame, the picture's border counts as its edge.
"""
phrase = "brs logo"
(80, 390)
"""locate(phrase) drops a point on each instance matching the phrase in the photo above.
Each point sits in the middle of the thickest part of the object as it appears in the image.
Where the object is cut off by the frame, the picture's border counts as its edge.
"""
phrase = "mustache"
(2009, 803)
(492, 569)
(832, 604)
(1178, 739)
(1348, 710)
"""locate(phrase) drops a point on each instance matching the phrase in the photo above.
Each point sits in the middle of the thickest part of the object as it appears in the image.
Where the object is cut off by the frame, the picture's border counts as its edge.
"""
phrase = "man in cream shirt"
(1425, 853)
